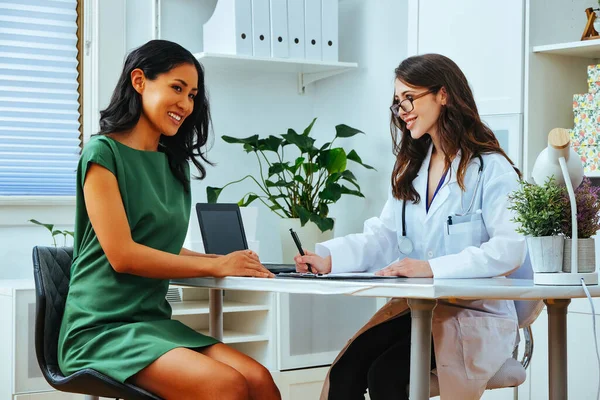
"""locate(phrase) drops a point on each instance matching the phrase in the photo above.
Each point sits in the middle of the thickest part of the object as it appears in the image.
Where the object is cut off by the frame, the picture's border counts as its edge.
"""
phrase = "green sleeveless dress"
(119, 323)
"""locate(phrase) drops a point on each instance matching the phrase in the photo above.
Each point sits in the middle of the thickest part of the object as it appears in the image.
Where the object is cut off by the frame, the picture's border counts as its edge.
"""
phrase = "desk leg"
(557, 347)
(421, 312)
(215, 311)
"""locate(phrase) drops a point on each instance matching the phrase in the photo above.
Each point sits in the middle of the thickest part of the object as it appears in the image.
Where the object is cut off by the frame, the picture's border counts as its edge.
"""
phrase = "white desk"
(422, 295)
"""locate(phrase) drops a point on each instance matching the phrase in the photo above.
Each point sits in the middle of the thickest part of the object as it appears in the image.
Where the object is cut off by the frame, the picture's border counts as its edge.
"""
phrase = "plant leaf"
(57, 232)
(324, 224)
(279, 183)
(310, 168)
(271, 143)
(335, 160)
(354, 157)
(309, 128)
(244, 203)
(70, 233)
(297, 164)
(252, 140)
(212, 194)
(277, 168)
(331, 192)
(304, 143)
(345, 131)
(346, 190)
(50, 227)
(302, 213)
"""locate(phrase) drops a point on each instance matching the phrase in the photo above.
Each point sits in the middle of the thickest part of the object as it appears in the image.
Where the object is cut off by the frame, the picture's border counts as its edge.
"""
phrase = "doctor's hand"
(318, 264)
(408, 267)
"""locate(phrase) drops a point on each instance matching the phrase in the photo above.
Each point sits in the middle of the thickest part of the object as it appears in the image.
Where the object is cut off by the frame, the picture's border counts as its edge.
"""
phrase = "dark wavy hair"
(123, 113)
(459, 126)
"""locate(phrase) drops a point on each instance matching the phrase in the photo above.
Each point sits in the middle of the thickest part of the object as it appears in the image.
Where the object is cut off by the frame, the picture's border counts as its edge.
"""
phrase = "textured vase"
(586, 255)
(546, 253)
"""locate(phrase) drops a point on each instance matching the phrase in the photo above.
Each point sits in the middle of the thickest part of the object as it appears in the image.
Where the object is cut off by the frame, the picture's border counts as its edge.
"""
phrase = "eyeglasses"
(407, 104)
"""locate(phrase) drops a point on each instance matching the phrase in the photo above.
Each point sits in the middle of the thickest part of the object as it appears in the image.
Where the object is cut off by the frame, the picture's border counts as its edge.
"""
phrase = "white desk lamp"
(561, 161)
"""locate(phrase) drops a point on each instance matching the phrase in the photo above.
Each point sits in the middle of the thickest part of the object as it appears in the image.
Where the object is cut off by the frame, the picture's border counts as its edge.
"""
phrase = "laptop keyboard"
(278, 268)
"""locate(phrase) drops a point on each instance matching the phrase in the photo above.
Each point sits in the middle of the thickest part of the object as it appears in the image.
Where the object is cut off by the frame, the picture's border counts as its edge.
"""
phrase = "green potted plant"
(588, 222)
(539, 212)
(299, 185)
(54, 232)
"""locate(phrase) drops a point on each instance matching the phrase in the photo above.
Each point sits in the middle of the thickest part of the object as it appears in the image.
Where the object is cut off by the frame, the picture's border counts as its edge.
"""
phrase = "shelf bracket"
(305, 79)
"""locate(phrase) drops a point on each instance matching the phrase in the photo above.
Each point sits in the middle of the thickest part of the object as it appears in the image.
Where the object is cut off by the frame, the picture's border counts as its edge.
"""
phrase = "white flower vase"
(546, 253)
(586, 255)
(308, 234)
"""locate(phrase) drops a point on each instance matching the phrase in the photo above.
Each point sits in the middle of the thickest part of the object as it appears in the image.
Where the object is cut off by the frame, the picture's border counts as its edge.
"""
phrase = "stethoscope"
(405, 245)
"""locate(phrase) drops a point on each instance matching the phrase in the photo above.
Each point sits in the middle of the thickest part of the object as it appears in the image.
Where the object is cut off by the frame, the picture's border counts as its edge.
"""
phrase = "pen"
(299, 246)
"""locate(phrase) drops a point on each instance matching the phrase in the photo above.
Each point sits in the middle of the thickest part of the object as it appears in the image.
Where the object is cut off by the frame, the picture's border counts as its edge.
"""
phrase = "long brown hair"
(459, 126)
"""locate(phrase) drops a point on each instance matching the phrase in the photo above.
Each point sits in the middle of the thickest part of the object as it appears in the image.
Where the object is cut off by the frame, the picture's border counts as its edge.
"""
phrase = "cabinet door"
(28, 376)
(486, 40)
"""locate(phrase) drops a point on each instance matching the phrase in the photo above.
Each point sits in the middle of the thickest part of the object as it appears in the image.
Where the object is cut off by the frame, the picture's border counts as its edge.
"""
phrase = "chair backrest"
(527, 310)
(51, 272)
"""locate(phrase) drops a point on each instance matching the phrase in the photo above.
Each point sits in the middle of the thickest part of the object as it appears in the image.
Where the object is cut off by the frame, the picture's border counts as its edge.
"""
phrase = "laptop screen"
(221, 227)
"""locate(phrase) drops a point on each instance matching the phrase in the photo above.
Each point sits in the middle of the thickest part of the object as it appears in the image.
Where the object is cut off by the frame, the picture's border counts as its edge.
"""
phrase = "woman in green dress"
(133, 209)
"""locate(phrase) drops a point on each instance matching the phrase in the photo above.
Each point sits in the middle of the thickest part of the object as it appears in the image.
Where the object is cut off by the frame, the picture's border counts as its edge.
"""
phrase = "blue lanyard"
(436, 190)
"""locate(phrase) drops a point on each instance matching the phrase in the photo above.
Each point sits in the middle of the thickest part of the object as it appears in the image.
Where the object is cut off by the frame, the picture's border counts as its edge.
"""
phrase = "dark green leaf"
(271, 143)
(325, 146)
(309, 128)
(57, 232)
(297, 164)
(304, 143)
(248, 148)
(345, 131)
(248, 200)
(324, 224)
(70, 233)
(348, 176)
(277, 168)
(333, 178)
(253, 140)
(346, 190)
(331, 192)
(302, 213)
(323, 210)
(50, 227)
(354, 157)
(212, 194)
(299, 178)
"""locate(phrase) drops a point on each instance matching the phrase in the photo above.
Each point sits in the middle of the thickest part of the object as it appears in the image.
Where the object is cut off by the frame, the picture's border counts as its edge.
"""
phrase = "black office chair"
(52, 271)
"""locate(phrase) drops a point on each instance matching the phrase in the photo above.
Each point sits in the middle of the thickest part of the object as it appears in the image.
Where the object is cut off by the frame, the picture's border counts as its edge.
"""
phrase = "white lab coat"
(472, 339)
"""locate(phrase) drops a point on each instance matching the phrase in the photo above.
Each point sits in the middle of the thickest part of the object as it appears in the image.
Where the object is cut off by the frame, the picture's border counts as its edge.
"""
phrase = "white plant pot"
(546, 253)
(308, 234)
(586, 255)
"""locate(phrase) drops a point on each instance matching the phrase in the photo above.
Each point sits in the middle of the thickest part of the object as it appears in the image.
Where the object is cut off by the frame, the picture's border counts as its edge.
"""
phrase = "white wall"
(244, 104)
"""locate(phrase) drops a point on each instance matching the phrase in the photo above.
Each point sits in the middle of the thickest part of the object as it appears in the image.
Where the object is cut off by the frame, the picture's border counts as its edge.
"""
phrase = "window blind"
(39, 101)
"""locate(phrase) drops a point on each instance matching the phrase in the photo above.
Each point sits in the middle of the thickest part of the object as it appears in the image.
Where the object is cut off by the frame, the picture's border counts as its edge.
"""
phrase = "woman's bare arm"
(187, 252)
(109, 220)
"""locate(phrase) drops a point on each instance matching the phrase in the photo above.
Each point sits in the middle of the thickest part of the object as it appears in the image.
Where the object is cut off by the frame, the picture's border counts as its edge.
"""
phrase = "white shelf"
(308, 71)
(230, 336)
(583, 48)
(199, 307)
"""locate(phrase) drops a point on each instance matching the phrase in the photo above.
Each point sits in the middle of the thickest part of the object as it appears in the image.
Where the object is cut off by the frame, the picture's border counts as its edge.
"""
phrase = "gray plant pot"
(586, 255)
(546, 253)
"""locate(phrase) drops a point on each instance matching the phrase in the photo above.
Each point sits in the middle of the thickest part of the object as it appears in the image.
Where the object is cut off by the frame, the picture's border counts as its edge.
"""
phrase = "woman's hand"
(240, 263)
(319, 265)
(408, 267)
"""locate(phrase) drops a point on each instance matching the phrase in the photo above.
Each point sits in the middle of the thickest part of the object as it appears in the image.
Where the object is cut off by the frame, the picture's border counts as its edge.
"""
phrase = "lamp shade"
(547, 164)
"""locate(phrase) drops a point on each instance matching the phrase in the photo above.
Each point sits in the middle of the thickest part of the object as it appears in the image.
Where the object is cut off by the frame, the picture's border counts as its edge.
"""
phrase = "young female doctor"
(446, 217)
